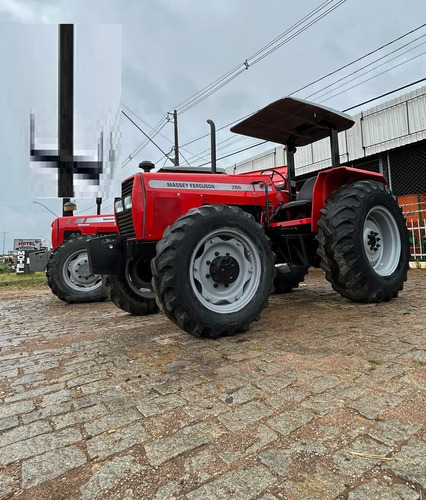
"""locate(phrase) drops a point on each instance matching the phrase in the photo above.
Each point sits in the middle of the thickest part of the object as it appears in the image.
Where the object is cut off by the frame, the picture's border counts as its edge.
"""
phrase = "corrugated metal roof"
(390, 125)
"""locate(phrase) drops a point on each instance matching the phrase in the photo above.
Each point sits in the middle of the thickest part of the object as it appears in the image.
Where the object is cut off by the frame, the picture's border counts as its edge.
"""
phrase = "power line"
(329, 74)
(146, 135)
(358, 59)
(232, 74)
(372, 77)
(366, 66)
(385, 94)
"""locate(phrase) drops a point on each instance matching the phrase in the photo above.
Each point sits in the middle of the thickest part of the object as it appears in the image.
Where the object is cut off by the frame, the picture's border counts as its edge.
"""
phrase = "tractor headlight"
(118, 206)
(127, 202)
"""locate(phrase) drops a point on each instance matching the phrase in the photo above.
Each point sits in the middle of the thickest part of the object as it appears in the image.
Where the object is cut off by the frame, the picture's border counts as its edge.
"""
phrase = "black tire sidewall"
(194, 233)
(385, 199)
(125, 296)
(55, 277)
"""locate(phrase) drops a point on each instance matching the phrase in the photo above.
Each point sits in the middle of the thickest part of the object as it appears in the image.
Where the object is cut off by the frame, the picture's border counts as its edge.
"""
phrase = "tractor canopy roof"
(293, 122)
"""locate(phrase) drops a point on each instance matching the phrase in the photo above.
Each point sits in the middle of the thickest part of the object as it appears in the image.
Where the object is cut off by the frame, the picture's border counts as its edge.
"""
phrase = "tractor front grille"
(124, 219)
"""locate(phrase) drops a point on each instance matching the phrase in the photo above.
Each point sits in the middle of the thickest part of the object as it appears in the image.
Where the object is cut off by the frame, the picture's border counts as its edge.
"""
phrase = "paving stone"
(392, 431)
(321, 484)
(372, 406)
(87, 379)
(275, 383)
(355, 465)
(24, 432)
(323, 383)
(109, 475)
(264, 436)
(43, 413)
(6, 485)
(165, 491)
(244, 415)
(79, 416)
(240, 484)
(114, 421)
(237, 380)
(323, 403)
(52, 464)
(33, 393)
(103, 397)
(352, 391)
(290, 420)
(242, 395)
(106, 444)
(374, 491)
(410, 462)
(278, 400)
(8, 423)
(206, 408)
(199, 461)
(10, 410)
(277, 459)
(185, 439)
(153, 405)
(28, 379)
(38, 444)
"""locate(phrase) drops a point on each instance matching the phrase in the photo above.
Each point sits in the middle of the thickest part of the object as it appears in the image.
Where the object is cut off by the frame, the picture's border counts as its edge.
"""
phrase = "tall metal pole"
(176, 148)
(66, 112)
(4, 238)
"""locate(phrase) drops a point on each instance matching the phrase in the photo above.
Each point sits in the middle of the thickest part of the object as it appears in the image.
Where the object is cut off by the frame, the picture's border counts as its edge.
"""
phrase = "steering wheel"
(275, 172)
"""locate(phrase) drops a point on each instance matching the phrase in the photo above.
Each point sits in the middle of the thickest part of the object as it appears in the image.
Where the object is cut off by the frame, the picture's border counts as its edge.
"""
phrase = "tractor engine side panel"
(158, 199)
(63, 227)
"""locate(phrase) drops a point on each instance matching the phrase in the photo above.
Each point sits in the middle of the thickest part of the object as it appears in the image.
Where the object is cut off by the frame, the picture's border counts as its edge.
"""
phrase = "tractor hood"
(293, 122)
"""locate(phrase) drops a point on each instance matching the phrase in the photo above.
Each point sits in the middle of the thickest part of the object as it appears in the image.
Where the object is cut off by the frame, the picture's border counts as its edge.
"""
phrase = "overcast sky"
(172, 49)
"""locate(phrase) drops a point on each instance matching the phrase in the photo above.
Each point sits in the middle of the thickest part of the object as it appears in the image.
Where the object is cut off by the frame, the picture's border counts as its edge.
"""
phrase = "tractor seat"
(304, 196)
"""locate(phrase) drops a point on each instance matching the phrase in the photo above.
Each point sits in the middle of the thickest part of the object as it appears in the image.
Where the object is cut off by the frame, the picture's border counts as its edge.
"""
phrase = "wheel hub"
(382, 243)
(373, 240)
(224, 269)
(77, 273)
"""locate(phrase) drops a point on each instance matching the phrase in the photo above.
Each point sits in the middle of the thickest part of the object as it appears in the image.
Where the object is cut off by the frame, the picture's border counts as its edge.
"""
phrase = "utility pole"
(4, 238)
(66, 113)
(176, 148)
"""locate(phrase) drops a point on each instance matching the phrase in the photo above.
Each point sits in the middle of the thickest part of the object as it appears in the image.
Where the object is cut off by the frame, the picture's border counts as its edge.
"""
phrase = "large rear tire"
(131, 288)
(213, 271)
(69, 276)
(363, 242)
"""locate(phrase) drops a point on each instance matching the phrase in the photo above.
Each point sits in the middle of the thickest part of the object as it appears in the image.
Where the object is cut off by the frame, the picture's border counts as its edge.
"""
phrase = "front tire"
(288, 277)
(69, 276)
(130, 289)
(363, 242)
(213, 271)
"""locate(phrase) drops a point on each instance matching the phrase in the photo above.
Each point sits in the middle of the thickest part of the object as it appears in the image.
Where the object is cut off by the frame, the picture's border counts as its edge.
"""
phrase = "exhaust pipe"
(213, 145)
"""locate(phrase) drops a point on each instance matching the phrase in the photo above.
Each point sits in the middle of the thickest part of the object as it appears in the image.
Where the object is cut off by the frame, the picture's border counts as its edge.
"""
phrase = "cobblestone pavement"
(321, 399)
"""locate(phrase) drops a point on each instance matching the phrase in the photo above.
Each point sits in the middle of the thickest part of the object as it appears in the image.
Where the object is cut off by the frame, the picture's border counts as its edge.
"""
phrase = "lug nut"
(216, 253)
(207, 276)
(208, 262)
(215, 285)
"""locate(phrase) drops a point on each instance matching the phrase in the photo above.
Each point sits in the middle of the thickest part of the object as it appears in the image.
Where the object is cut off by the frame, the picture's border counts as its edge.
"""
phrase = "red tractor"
(67, 267)
(209, 248)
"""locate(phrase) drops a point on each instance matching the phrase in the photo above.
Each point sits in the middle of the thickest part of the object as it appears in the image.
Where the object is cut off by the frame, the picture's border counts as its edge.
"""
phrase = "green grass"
(22, 280)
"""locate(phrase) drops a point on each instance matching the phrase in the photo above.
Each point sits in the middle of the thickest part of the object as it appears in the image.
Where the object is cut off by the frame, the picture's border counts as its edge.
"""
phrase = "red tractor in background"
(207, 247)
(67, 268)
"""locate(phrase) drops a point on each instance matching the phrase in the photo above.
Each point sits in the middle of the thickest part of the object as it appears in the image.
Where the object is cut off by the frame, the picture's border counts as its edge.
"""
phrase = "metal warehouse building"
(389, 138)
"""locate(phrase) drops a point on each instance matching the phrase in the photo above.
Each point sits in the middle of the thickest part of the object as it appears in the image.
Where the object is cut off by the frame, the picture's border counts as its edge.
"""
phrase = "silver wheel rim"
(218, 297)
(382, 241)
(76, 273)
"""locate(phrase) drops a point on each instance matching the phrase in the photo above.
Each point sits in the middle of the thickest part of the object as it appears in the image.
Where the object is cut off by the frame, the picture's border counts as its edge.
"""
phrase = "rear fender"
(332, 179)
